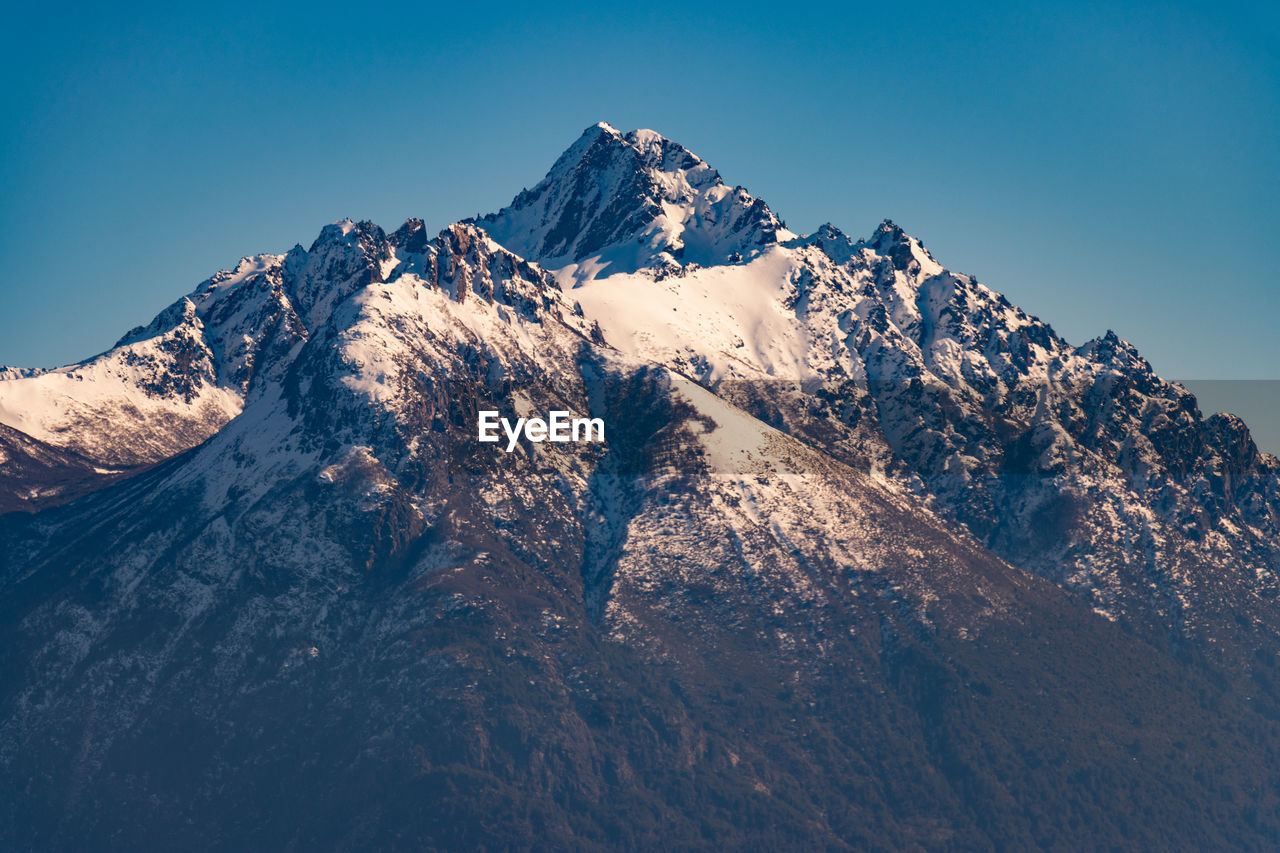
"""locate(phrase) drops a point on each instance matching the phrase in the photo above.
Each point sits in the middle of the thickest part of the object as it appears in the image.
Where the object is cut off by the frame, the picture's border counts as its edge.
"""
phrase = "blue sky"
(1104, 166)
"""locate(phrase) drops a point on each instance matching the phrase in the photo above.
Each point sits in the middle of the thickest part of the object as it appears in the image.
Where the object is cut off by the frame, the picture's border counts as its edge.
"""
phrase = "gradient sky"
(1105, 166)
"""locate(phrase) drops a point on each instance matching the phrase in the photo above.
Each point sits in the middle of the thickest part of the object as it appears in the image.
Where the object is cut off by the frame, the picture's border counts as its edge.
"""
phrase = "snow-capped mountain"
(1076, 462)
(869, 557)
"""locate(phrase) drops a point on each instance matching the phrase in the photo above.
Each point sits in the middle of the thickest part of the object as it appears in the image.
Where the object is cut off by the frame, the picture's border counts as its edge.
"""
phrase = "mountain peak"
(1114, 351)
(652, 148)
(834, 243)
(888, 229)
(902, 249)
(620, 202)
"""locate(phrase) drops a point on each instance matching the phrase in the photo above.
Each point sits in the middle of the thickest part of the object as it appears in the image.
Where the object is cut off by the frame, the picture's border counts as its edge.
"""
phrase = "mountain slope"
(34, 473)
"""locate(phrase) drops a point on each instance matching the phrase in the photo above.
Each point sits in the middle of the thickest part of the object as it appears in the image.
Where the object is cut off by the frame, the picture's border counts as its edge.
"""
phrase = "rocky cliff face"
(870, 558)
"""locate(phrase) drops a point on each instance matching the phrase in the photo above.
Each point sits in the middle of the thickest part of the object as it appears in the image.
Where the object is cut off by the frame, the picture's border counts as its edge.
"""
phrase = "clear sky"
(1105, 166)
